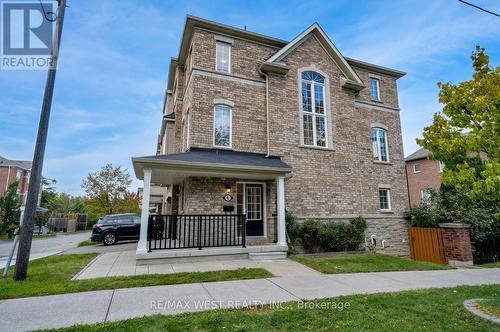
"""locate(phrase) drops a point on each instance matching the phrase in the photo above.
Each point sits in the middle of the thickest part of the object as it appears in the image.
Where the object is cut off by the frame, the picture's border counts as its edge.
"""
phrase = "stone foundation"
(391, 233)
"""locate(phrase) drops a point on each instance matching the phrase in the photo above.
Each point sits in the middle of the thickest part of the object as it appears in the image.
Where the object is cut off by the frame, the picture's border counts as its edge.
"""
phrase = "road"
(46, 246)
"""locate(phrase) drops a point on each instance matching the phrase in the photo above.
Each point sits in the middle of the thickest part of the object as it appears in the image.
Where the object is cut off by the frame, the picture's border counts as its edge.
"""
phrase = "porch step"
(272, 255)
(227, 253)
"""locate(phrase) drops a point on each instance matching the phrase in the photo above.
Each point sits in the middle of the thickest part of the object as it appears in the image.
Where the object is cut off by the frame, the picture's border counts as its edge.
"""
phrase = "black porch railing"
(170, 231)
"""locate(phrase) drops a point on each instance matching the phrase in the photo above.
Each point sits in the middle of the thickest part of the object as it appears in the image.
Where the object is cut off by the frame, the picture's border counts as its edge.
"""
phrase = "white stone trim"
(379, 125)
(224, 39)
(225, 102)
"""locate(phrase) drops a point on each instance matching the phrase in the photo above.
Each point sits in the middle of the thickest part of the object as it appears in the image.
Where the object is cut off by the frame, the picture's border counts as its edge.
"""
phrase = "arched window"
(314, 124)
(379, 143)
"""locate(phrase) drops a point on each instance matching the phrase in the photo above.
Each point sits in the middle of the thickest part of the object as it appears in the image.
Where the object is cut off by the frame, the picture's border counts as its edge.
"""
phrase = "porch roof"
(172, 168)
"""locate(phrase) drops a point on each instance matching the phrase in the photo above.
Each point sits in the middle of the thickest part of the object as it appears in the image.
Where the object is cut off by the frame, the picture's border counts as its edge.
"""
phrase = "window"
(384, 196)
(379, 144)
(186, 128)
(223, 57)
(417, 168)
(313, 109)
(222, 126)
(441, 167)
(375, 89)
(18, 175)
(426, 194)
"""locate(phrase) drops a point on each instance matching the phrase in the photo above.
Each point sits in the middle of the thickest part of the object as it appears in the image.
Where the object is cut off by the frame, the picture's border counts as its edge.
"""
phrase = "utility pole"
(26, 235)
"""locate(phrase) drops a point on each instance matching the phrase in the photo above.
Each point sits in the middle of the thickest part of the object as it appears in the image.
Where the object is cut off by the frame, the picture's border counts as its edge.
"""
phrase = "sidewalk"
(124, 264)
(112, 305)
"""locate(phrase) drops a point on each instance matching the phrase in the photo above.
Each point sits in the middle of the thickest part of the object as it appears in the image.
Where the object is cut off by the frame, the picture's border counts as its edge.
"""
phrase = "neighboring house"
(253, 125)
(15, 170)
(423, 174)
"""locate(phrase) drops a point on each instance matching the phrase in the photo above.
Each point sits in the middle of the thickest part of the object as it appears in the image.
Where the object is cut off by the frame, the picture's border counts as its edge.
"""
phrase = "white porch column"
(280, 199)
(143, 240)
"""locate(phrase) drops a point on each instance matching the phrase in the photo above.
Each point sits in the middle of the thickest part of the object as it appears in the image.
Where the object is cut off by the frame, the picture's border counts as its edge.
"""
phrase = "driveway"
(100, 248)
(46, 246)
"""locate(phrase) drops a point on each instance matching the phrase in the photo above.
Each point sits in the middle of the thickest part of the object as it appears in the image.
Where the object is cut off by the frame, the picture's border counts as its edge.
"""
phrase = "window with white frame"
(417, 168)
(375, 89)
(186, 128)
(384, 196)
(223, 57)
(222, 126)
(379, 144)
(426, 194)
(313, 109)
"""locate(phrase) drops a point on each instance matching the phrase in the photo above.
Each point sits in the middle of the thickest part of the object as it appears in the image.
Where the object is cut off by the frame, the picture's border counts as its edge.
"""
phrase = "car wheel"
(109, 239)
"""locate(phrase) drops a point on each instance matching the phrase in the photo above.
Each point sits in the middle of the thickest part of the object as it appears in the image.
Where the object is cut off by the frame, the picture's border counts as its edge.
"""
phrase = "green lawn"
(51, 275)
(490, 265)
(365, 263)
(422, 310)
(35, 236)
(87, 243)
(491, 306)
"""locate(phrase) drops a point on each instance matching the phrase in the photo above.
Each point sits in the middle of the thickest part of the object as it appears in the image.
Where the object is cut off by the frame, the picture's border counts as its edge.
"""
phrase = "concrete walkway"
(124, 264)
(112, 305)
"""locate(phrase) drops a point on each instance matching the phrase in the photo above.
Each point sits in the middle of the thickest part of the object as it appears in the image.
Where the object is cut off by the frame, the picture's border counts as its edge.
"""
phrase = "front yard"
(365, 263)
(421, 310)
(51, 275)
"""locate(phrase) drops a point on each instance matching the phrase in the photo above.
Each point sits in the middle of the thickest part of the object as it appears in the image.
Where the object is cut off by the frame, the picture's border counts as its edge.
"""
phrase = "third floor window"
(223, 57)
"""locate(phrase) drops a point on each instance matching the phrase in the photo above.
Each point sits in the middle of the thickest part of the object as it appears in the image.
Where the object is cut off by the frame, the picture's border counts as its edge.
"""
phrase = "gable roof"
(419, 154)
(193, 22)
(352, 79)
(23, 164)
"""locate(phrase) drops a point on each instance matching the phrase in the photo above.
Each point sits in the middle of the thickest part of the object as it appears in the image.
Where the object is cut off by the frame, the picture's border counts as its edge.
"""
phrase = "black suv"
(114, 227)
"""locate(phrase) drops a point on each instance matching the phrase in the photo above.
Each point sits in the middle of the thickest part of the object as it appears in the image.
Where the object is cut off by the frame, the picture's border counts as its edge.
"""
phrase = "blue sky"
(115, 54)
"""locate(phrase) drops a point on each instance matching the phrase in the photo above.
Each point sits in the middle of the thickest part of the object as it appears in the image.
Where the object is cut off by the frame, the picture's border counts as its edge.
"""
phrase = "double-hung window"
(375, 89)
(314, 109)
(379, 144)
(223, 57)
(384, 196)
(222, 126)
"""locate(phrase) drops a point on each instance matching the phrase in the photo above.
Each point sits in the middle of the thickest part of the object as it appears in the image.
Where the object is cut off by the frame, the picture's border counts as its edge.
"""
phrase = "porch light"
(228, 189)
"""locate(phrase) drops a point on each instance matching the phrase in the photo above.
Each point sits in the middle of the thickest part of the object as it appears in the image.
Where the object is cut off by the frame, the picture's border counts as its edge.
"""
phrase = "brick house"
(423, 175)
(15, 170)
(256, 126)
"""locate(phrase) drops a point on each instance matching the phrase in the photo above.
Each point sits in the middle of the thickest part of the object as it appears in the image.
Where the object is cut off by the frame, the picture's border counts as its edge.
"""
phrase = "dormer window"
(223, 57)
(313, 109)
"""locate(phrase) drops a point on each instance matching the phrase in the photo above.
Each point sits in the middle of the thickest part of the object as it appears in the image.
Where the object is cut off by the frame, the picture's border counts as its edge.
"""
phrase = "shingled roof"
(419, 154)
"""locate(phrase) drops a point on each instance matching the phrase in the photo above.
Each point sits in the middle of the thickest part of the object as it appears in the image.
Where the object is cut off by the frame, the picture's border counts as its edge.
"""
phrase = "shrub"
(310, 236)
(316, 236)
(293, 228)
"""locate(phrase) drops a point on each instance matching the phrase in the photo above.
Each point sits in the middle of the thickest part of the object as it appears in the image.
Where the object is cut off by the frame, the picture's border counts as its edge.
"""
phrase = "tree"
(48, 193)
(107, 187)
(466, 135)
(9, 209)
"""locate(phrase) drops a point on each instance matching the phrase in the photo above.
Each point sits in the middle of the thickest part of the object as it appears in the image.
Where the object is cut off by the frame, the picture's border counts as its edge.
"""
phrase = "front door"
(253, 203)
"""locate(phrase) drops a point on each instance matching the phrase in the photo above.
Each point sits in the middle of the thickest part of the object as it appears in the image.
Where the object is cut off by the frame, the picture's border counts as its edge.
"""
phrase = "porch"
(223, 204)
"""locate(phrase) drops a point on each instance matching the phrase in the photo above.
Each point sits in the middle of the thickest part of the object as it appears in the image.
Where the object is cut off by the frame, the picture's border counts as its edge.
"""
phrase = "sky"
(114, 58)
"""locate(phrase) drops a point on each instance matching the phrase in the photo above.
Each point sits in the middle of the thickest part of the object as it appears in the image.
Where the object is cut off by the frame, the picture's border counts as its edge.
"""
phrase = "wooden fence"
(426, 244)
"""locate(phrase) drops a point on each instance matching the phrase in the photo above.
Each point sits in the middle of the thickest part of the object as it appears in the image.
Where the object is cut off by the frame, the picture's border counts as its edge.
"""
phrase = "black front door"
(254, 206)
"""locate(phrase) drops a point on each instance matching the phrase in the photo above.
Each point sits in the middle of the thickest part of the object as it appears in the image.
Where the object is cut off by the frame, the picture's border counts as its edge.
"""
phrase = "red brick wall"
(7, 178)
(457, 245)
(428, 177)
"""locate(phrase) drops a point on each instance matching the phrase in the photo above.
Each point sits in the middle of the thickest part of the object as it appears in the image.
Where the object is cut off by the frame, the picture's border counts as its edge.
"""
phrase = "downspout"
(267, 112)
